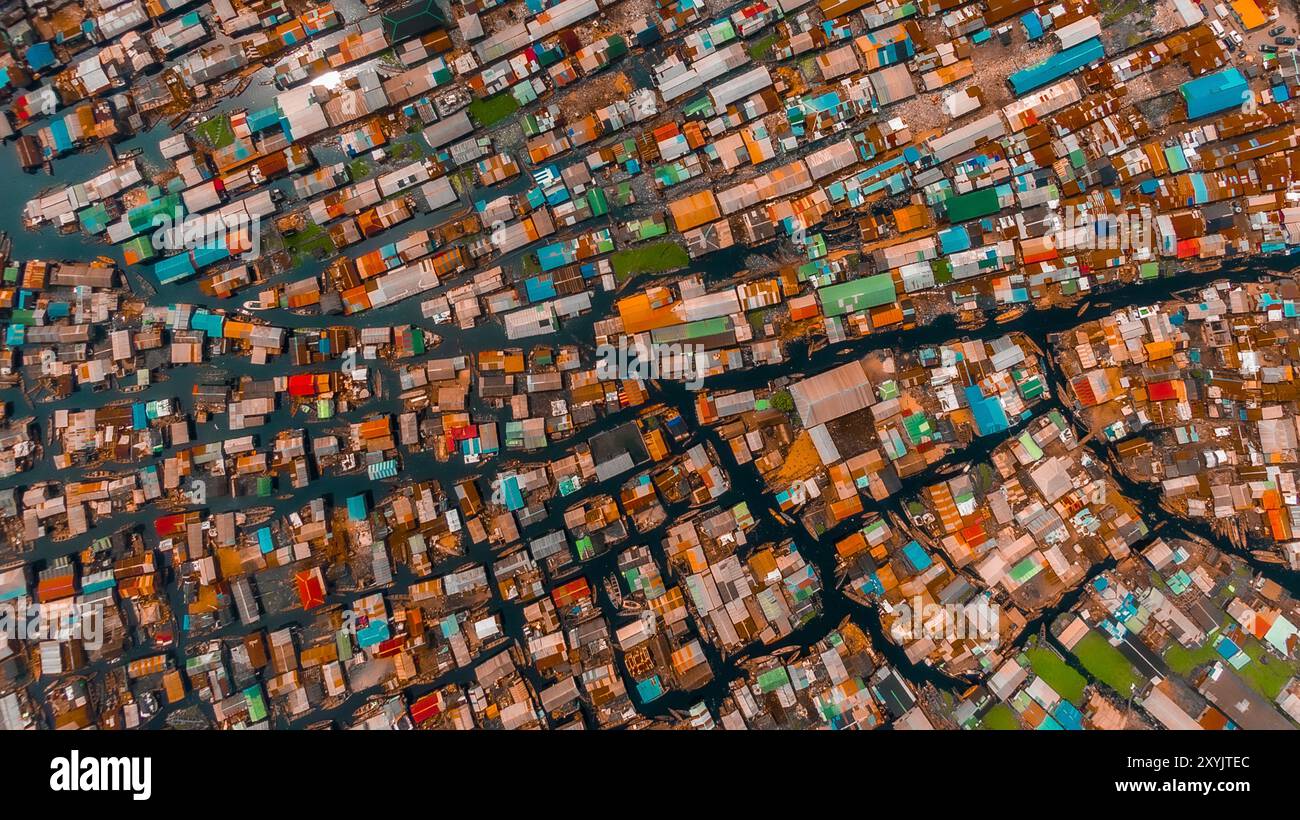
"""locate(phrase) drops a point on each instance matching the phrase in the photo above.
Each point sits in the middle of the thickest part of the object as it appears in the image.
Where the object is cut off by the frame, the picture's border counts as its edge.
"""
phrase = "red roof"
(425, 708)
(310, 589)
(169, 525)
(570, 593)
(52, 589)
(1042, 256)
(1161, 391)
(302, 384)
(466, 432)
(974, 534)
(1083, 389)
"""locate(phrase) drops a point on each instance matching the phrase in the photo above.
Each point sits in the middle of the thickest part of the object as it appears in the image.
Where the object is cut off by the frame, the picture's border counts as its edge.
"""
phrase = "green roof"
(700, 329)
(256, 707)
(1025, 570)
(412, 20)
(964, 207)
(142, 246)
(141, 218)
(1031, 446)
(918, 427)
(599, 203)
(1031, 388)
(773, 679)
(857, 294)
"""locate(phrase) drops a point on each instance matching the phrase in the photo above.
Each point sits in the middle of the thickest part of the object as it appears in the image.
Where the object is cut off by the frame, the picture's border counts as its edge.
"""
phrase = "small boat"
(256, 304)
(1266, 557)
(612, 589)
(1011, 315)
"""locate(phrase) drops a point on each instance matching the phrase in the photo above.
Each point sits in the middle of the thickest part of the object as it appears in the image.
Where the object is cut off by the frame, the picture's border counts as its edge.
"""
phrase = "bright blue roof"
(357, 507)
(649, 689)
(1227, 648)
(174, 268)
(62, 139)
(988, 413)
(1214, 93)
(554, 256)
(40, 56)
(373, 633)
(917, 557)
(1067, 715)
(514, 498)
(954, 239)
(210, 255)
(1033, 26)
(1057, 66)
(212, 324)
(540, 288)
(264, 119)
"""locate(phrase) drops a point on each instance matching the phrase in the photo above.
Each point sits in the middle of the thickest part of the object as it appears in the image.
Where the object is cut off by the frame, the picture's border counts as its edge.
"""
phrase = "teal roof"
(1214, 93)
(1057, 66)
(357, 507)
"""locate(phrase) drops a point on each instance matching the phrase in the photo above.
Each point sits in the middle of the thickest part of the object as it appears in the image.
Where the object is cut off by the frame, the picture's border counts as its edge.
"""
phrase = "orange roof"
(1213, 719)
(174, 686)
(655, 444)
(1263, 623)
(639, 314)
(912, 217)
(1159, 350)
(51, 589)
(804, 307)
(694, 210)
(371, 264)
(886, 315)
(1280, 526)
(1248, 11)
(146, 666)
(237, 330)
(851, 544)
(885, 574)
(355, 299)
(666, 131)
(848, 507)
